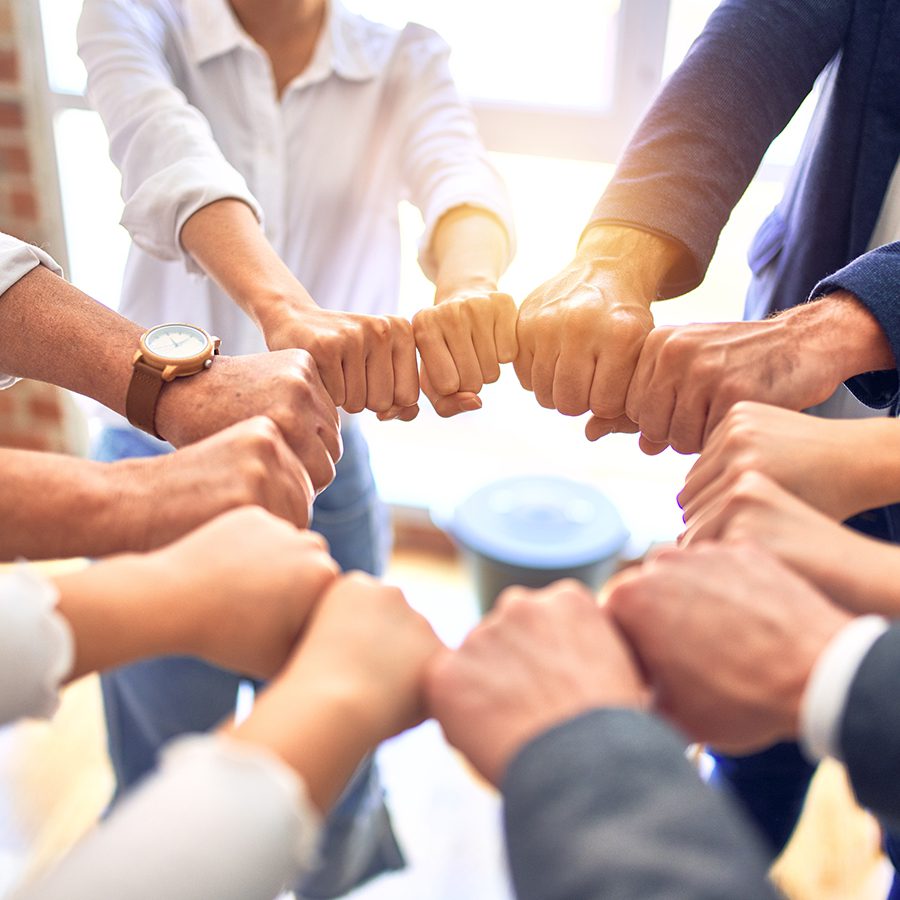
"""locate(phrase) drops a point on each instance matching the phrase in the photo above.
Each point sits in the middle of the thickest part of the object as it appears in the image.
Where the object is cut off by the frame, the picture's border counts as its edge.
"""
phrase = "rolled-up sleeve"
(164, 147)
(36, 647)
(445, 164)
(220, 820)
(17, 259)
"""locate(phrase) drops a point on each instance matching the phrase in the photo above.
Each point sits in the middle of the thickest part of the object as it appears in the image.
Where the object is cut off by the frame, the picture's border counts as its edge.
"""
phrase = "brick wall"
(32, 416)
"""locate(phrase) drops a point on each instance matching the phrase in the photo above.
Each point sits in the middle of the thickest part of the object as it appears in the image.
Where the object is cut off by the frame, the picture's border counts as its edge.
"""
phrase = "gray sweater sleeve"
(870, 729)
(607, 806)
(702, 140)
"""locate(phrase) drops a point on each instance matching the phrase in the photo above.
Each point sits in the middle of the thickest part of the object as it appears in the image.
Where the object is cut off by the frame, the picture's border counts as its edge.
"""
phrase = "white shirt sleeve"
(825, 697)
(36, 646)
(164, 147)
(444, 161)
(220, 820)
(17, 259)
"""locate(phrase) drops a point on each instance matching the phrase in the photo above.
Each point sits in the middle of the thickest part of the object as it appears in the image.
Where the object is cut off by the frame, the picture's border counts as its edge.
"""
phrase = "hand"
(354, 680)
(367, 642)
(235, 592)
(462, 340)
(284, 386)
(366, 362)
(689, 376)
(157, 499)
(242, 588)
(728, 637)
(580, 334)
(829, 464)
(540, 658)
(855, 571)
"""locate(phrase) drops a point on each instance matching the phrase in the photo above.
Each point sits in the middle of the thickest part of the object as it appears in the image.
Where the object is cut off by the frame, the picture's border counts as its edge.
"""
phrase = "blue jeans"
(150, 702)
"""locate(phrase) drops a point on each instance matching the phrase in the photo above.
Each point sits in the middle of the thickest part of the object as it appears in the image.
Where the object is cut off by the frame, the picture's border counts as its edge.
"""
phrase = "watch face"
(176, 341)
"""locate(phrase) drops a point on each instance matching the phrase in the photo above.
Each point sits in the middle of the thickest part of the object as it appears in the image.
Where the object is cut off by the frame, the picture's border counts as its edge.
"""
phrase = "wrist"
(272, 308)
(848, 336)
(639, 258)
(316, 728)
(447, 288)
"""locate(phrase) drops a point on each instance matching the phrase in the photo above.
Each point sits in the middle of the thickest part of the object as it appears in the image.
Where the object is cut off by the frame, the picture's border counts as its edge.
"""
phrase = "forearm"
(638, 258)
(226, 241)
(316, 726)
(92, 346)
(865, 578)
(120, 612)
(872, 469)
(470, 248)
(54, 506)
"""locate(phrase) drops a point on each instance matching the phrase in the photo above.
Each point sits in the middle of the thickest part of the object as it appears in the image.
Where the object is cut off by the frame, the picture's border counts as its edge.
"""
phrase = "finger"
(543, 371)
(399, 414)
(437, 360)
(717, 411)
(523, 364)
(707, 525)
(452, 404)
(572, 381)
(462, 402)
(651, 448)
(688, 422)
(485, 348)
(332, 375)
(597, 428)
(320, 466)
(505, 328)
(462, 349)
(702, 500)
(331, 440)
(380, 377)
(641, 378)
(609, 387)
(706, 470)
(405, 364)
(656, 410)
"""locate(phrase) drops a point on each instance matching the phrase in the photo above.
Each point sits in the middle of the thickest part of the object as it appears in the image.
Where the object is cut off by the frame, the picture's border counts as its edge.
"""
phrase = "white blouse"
(190, 105)
(219, 820)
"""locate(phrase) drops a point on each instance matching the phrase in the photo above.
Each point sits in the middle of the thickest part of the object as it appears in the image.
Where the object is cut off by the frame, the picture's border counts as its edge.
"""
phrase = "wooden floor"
(54, 781)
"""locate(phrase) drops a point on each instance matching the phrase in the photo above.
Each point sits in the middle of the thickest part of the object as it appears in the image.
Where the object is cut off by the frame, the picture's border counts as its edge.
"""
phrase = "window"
(555, 112)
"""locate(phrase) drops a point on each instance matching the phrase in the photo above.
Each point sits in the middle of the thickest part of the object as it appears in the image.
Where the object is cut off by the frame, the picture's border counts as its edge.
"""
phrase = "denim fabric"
(149, 703)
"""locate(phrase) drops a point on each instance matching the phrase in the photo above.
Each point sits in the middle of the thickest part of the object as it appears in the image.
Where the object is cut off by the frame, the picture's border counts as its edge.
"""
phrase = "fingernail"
(470, 404)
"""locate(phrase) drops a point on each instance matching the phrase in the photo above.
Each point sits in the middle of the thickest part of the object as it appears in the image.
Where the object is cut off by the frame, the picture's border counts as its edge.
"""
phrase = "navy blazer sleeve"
(606, 805)
(697, 149)
(874, 279)
(870, 729)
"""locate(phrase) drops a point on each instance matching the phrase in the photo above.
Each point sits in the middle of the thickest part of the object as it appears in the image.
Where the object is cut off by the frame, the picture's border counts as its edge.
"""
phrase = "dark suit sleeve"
(701, 142)
(870, 729)
(874, 279)
(607, 806)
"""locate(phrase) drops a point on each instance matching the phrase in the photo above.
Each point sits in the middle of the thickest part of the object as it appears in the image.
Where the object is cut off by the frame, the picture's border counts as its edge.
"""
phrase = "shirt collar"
(349, 45)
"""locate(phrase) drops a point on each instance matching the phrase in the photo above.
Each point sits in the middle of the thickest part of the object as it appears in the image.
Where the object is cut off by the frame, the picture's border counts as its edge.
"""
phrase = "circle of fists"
(582, 342)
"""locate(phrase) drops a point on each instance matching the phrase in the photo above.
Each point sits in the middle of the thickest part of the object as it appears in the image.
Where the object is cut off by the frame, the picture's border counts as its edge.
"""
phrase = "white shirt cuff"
(37, 649)
(825, 697)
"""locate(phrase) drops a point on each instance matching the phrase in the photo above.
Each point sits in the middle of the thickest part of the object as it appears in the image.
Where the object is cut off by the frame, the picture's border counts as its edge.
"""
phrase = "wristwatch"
(166, 352)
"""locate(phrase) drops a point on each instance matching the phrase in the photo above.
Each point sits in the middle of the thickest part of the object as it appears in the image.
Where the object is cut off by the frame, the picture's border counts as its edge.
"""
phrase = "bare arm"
(92, 352)
(365, 361)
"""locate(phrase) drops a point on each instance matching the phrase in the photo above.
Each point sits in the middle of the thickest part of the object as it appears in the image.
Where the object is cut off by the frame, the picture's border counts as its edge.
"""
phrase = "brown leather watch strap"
(143, 394)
